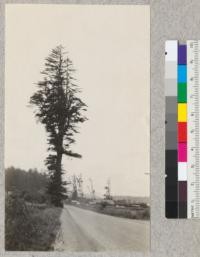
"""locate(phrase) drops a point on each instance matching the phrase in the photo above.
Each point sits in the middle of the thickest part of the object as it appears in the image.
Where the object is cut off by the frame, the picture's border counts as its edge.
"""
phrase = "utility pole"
(108, 190)
(80, 186)
(74, 190)
(92, 189)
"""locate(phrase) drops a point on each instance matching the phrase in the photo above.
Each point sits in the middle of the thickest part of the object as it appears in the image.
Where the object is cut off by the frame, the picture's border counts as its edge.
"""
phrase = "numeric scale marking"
(193, 91)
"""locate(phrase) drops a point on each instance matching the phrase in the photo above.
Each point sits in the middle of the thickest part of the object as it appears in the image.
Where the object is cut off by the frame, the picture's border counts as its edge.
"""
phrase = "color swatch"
(182, 131)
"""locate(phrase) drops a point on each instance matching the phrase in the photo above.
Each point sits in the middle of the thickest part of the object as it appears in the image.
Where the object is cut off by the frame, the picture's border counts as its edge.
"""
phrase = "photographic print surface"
(77, 127)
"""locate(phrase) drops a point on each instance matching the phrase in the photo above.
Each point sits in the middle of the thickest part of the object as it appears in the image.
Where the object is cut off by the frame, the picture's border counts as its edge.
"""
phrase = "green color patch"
(182, 92)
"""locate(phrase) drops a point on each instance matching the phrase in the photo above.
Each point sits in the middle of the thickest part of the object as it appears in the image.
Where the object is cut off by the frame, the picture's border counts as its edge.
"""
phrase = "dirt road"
(83, 230)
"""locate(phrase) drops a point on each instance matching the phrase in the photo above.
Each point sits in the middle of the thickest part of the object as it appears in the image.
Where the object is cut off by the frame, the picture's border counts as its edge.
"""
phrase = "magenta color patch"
(182, 152)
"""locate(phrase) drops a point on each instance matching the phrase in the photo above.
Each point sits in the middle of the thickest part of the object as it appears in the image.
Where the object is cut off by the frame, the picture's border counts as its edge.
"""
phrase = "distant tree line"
(29, 185)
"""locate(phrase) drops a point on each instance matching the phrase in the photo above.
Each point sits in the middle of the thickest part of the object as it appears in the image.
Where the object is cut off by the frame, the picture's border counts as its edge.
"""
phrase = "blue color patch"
(182, 74)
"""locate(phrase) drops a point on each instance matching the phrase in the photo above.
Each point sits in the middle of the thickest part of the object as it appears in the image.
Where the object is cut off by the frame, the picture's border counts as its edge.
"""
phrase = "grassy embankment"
(31, 224)
(130, 212)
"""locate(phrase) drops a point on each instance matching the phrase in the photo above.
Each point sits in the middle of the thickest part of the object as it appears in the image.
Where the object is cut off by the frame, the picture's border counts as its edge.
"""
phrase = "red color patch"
(182, 132)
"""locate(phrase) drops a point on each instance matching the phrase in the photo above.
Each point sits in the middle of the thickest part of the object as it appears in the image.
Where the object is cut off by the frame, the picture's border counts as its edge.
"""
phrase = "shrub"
(28, 227)
(18, 228)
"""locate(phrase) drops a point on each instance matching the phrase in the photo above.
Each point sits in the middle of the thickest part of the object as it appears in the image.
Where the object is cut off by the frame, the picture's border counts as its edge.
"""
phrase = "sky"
(110, 48)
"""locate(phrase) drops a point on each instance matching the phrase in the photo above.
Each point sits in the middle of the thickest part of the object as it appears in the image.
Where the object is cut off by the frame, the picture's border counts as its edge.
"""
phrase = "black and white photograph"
(77, 127)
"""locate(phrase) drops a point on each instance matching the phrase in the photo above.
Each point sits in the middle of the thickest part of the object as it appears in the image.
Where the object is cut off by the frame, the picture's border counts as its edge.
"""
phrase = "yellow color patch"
(182, 112)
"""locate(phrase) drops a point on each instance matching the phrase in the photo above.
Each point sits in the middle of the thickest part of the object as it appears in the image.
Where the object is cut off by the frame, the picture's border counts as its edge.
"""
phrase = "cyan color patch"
(182, 74)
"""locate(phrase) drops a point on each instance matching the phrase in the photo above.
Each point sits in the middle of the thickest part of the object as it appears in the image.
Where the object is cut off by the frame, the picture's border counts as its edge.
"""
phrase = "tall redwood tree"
(60, 109)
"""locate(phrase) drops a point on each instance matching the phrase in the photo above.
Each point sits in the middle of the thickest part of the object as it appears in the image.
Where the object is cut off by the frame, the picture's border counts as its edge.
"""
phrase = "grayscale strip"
(171, 151)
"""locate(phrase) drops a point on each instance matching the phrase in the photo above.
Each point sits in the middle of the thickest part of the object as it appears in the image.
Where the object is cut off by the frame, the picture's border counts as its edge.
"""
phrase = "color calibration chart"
(182, 131)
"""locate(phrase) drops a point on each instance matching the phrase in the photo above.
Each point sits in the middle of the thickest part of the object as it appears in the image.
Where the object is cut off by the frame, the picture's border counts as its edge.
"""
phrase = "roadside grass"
(127, 212)
(30, 227)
